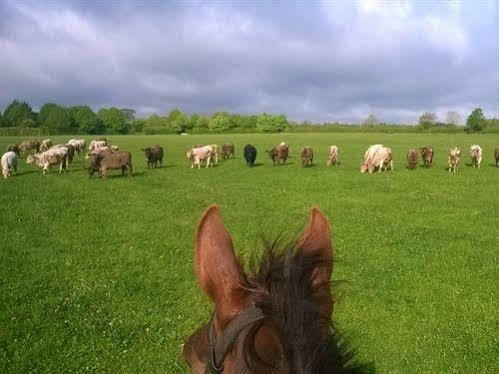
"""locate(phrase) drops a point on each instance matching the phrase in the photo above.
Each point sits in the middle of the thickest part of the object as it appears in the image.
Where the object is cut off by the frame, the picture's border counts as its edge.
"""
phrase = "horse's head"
(276, 319)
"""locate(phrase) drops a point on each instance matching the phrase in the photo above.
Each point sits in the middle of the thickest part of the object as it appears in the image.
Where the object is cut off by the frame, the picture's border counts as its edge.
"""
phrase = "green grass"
(98, 275)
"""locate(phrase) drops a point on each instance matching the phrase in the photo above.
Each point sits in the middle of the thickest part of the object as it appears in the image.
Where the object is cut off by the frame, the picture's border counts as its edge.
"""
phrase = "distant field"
(98, 275)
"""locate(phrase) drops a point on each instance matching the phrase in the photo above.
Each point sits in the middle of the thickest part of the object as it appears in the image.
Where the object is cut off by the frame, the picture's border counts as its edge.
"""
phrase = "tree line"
(81, 119)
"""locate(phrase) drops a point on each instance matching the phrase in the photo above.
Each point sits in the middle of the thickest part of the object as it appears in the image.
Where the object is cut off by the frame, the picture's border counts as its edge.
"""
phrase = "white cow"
(9, 163)
(54, 156)
(78, 144)
(454, 158)
(95, 144)
(368, 157)
(196, 155)
(334, 156)
(476, 155)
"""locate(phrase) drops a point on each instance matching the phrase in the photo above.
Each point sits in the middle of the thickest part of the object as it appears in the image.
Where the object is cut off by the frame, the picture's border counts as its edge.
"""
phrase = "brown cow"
(104, 161)
(307, 156)
(153, 154)
(496, 155)
(412, 158)
(279, 152)
(227, 150)
(427, 154)
(29, 145)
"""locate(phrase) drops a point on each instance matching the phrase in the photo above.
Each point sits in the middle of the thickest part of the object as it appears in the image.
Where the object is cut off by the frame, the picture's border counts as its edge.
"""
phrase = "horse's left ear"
(317, 240)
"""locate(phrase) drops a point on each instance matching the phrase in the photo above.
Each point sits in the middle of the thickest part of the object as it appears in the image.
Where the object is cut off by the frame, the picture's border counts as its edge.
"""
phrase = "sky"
(316, 60)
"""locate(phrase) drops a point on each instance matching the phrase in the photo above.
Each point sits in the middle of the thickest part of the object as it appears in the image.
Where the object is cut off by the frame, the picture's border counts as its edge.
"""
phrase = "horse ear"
(217, 268)
(317, 240)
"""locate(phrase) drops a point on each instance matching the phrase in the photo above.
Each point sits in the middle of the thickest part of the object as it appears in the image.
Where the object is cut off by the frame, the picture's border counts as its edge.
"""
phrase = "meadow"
(97, 275)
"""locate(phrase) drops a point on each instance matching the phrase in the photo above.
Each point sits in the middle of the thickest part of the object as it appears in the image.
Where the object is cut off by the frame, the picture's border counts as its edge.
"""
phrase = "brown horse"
(276, 319)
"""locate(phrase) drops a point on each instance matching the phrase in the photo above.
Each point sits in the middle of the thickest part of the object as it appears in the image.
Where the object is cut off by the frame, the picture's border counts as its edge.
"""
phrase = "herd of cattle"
(104, 157)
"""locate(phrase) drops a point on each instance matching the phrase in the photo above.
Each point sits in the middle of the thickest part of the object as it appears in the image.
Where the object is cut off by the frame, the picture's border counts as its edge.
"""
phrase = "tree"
(114, 120)
(427, 119)
(200, 121)
(54, 117)
(15, 114)
(156, 121)
(476, 120)
(128, 114)
(370, 121)
(178, 121)
(220, 122)
(452, 118)
(86, 120)
(271, 123)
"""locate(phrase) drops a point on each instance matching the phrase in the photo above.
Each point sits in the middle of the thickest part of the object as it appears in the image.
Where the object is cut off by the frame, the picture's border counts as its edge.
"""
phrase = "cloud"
(325, 61)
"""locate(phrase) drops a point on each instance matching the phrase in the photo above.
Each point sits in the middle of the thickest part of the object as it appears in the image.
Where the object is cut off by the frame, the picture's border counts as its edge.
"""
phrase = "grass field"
(98, 275)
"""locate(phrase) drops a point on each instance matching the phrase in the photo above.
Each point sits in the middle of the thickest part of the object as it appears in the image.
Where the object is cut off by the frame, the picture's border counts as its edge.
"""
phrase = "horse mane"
(280, 281)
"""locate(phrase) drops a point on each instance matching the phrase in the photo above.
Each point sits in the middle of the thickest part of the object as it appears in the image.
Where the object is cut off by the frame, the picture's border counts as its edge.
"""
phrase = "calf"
(307, 156)
(427, 154)
(496, 155)
(476, 155)
(227, 150)
(334, 156)
(46, 144)
(107, 160)
(279, 152)
(29, 145)
(412, 158)
(250, 154)
(153, 154)
(54, 156)
(454, 158)
(196, 155)
(9, 163)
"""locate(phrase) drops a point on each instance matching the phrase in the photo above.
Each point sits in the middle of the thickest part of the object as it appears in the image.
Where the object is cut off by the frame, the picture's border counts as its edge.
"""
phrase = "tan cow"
(334, 156)
(196, 155)
(46, 144)
(29, 145)
(94, 145)
(307, 156)
(368, 157)
(412, 158)
(476, 155)
(53, 156)
(454, 158)
(78, 144)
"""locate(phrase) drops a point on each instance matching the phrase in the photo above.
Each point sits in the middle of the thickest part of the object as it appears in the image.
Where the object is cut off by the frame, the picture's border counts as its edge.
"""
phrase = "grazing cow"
(153, 154)
(496, 155)
(215, 153)
(412, 158)
(368, 156)
(454, 158)
(107, 160)
(54, 156)
(196, 155)
(427, 154)
(78, 144)
(29, 145)
(476, 155)
(9, 163)
(94, 145)
(307, 156)
(334, 156)
(250, 154)
(71, 152)
(227, 150)
(377, 157)
(46, 144)
(14, 148)
(280, 152)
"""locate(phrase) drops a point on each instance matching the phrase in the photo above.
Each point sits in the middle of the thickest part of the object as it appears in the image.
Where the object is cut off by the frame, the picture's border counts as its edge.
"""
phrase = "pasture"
(97, 275)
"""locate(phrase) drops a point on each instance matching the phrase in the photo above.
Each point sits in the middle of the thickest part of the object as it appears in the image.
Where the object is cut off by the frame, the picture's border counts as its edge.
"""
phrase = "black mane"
(281, 283)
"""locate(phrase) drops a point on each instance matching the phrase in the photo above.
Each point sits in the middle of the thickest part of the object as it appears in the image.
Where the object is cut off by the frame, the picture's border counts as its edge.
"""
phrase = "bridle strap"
(220, 346)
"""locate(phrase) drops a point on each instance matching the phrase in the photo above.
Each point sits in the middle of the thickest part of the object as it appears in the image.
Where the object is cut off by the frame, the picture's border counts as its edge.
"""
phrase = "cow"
(153, 154)
(215, 153)
(29, 145)
(476, 155)
(427, 154)
(94, 145)
(307, 156)
(227, 150)
(412, 158)
(496, 155)
(46, 144)
(377, 157)
(9, 163)
(14, 148)
(78, 144)
(54, 156)
(333, 156)
(196, 155)
(102, 161)
(280, 152)
(454, 158)
(71, 152)
(250, 154)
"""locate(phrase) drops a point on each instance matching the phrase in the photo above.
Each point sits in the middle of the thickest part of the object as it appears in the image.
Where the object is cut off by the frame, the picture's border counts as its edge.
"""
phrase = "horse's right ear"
(217, 269)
